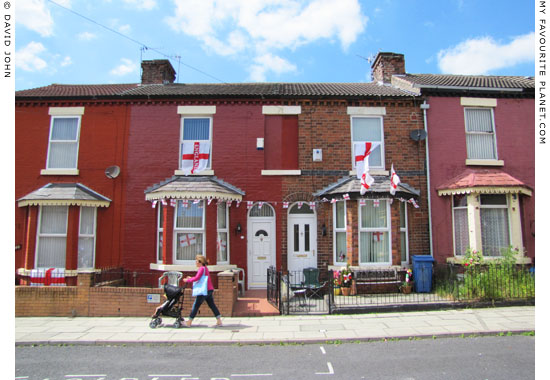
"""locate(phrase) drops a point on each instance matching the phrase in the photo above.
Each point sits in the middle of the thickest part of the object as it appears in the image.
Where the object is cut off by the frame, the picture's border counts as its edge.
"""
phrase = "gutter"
(425, 106)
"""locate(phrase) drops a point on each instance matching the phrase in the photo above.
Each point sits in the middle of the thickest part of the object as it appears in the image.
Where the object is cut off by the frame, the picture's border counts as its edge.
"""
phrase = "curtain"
(374, 247)
(190, 216)
(52, 237)
(494, 230)
(63, 143)
(221, 246)
(188, 245)
(196, 129)
(462, 237)
(341, 249)
(480, 136)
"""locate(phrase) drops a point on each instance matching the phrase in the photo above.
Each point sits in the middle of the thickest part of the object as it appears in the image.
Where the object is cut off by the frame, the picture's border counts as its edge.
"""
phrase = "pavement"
(277, 329)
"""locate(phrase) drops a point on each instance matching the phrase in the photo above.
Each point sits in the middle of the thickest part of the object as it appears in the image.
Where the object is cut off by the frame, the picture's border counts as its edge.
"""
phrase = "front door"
(261, 248)
(302, 238)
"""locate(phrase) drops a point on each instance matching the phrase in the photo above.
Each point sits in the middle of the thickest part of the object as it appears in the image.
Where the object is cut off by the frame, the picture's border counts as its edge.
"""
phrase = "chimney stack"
(387, 64)
(157, 71)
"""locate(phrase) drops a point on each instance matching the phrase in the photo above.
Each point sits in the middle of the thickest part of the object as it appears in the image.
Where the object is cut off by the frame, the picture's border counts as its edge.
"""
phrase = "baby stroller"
(174, 302)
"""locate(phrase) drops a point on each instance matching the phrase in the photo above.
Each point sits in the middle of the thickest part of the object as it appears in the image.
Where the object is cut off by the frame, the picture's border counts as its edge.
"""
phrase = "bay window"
(52, 237)
(189, 230)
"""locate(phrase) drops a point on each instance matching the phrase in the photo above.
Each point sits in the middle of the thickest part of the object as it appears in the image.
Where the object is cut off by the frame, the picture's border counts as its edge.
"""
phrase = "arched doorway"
(261, 243)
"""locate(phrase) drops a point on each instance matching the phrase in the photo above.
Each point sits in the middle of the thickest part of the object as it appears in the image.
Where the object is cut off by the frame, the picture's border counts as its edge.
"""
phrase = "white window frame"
(473, 133)
(195, 230)
(404, 230)
(505, 207)
(375, 229)
(453, 208)
(92, 235)
(223, 230)
(160, 232)
(338, 230)
(40, 234)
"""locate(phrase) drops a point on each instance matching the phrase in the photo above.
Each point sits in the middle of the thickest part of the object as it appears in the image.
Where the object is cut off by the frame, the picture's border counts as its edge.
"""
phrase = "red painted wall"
(514, 124)
(153, 157)
(103, 141)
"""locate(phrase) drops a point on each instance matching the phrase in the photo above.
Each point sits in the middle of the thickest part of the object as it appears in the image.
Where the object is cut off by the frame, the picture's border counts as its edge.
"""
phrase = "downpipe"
(425, 106)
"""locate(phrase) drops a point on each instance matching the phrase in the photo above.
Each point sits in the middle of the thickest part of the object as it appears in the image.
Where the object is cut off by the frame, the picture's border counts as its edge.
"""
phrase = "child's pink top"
(199, 275)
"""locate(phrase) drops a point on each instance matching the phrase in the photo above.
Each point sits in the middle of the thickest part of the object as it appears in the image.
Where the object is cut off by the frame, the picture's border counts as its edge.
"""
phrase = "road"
(496, 357)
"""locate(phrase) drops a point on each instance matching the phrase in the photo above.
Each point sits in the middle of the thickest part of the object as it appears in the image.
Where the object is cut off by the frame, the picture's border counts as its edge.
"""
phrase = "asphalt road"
(497, 357)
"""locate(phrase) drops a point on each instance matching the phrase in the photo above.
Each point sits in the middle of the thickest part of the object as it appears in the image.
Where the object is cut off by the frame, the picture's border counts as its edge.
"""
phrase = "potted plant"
(406, 286)
(337, 282)
(346, 276)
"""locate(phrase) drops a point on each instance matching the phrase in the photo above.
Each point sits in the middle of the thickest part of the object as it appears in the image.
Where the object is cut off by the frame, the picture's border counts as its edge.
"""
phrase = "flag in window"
(194, 156)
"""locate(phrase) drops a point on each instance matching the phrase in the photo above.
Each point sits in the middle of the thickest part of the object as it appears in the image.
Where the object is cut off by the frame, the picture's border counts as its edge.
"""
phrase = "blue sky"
(267, 40)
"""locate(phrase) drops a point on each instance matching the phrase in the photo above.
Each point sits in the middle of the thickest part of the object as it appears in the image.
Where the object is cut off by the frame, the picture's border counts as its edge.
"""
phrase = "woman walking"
(200, 262)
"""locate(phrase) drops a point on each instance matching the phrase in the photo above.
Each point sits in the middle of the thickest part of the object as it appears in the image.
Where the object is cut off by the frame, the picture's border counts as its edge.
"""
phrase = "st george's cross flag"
(194, 156)
(394, 181)
(362, 151)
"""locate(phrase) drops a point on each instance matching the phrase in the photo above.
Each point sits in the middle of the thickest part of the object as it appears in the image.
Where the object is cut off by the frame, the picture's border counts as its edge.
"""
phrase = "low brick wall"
(85, 301)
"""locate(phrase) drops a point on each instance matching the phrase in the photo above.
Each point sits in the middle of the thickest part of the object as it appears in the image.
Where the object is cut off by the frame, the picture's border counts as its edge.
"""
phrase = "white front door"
(261, 250)
(302, 238)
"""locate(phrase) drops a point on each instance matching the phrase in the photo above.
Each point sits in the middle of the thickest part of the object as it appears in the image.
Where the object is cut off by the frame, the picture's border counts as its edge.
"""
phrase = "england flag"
(394, 181)
(194, 156)
(362, 152)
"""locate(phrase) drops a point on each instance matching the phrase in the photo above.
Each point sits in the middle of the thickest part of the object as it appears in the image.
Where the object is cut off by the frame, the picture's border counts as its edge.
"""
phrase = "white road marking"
(250, 374)
(323, 350)
(330, 370)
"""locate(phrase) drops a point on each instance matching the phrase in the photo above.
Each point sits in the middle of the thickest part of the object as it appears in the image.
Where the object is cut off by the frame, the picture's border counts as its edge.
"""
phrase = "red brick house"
(481, 162)
(279, 188)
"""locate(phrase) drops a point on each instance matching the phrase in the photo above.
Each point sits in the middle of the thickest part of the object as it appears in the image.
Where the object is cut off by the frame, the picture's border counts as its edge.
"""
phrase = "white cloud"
(269, 62)
(146, 5)
(86, 36)
(126, 67)
(34, 15)
(27, 57)
(483, 55)
(254, 28)
(66, 61)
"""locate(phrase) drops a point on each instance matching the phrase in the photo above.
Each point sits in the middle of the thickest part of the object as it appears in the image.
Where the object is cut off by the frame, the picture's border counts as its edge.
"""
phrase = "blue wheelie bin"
(422, 273)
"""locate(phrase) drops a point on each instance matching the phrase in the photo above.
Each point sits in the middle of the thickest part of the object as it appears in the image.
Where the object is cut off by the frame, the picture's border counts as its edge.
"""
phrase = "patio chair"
(293, 292)
(311, 283)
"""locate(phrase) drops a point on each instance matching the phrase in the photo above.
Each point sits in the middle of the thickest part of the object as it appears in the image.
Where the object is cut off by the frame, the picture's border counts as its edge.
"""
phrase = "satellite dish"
(112, 171)
(418, 134)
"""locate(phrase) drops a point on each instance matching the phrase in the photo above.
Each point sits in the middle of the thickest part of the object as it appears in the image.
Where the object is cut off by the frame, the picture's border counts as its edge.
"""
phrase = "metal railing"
(448, 286)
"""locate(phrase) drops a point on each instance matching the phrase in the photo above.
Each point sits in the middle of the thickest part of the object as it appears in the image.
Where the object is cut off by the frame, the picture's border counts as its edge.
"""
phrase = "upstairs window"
(480, 133)
(369, 129)
(63, 144)
(197, 129)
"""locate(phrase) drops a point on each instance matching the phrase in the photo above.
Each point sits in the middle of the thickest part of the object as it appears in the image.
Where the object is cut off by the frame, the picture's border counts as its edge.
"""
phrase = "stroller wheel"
(177, 324)
(155, 322)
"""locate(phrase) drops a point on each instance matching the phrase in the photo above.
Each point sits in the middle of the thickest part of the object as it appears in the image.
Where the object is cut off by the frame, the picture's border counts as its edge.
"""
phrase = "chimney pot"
(387, 64)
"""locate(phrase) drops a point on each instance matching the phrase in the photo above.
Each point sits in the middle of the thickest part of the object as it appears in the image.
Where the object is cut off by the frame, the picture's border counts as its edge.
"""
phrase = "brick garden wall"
(84, 301)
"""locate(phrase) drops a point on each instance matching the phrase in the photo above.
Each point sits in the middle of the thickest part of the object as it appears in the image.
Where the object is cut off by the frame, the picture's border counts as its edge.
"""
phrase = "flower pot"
(346, 291)
(336, 291)
(406, 289)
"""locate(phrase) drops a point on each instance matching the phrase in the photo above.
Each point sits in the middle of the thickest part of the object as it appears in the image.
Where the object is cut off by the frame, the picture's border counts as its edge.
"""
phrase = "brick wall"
(83, 301)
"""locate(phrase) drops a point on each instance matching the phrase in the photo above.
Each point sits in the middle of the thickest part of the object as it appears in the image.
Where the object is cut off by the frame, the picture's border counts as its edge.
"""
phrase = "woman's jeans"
(209, 300)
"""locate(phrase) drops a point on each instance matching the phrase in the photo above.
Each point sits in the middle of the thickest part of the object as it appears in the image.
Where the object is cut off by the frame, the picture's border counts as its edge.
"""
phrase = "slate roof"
(380, 188)
(442, 82)
(265, 90)
(64, 194)
(194, 187)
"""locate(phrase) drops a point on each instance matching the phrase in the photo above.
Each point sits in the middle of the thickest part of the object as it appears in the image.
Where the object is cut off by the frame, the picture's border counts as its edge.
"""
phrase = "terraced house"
(145, 176)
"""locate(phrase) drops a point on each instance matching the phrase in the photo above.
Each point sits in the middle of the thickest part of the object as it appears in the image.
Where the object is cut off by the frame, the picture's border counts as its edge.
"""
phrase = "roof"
(484, 181)
(64, 194)
(269, 90)
(380, 188)
(444, 82)
(194, 187)
(75, 90)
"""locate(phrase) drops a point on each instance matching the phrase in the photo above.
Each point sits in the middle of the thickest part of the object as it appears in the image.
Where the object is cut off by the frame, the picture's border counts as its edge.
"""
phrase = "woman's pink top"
(199, 275)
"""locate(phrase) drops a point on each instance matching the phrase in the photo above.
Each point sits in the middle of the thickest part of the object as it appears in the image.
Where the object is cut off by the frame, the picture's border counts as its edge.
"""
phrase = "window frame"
(474, 133)
(337, 230)
(382, 165)
(222, 230)
(404, 230)
(160, 232)
(453, 208)
(40, 234)
(210, 140)
(387, 229)
(189, 230)
(505, 207)
(92, 235)
(75, 141)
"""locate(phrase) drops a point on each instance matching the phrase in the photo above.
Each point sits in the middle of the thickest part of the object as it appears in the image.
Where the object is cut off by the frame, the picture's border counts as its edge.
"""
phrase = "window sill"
(204, 172)
(190, 267)
(484, 162)
(59, 172)
(281, 172)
